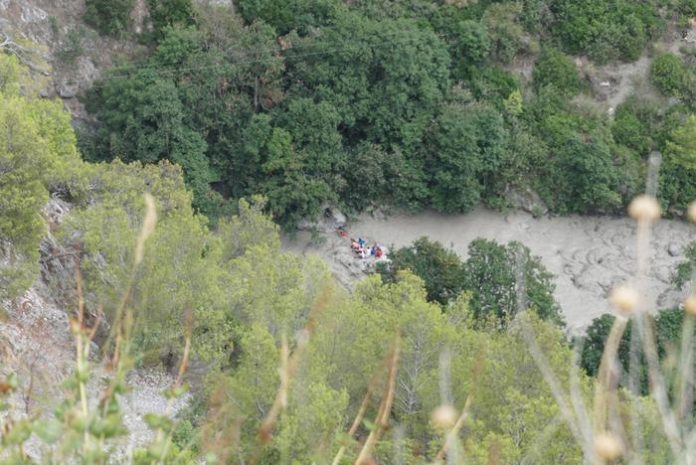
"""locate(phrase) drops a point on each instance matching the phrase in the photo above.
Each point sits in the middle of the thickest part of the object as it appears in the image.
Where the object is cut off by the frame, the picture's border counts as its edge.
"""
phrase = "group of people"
(363, 250)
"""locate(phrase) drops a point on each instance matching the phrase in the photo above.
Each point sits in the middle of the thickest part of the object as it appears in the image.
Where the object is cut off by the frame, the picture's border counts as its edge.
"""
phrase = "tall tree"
(506, 279)
(439, 268)
(386, 83)
(465, 149)
(143, 119)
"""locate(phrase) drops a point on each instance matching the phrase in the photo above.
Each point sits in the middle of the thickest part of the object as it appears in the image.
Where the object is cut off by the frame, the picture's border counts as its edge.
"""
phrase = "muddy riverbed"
(589, 255)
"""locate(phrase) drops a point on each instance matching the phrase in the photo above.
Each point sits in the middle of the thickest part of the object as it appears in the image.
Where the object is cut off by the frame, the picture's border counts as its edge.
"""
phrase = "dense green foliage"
(681, 146)
(507, 279)
(498, 280)
(667, 326)
(37, 157)
(110, 17)
(609, 30)
(556, 69)
(239, 297)
(288, 355)
(667, 73)
(418, 103)
(167, 13)
(585, 173)
(439, 268)
(415, 104)
(469, 145)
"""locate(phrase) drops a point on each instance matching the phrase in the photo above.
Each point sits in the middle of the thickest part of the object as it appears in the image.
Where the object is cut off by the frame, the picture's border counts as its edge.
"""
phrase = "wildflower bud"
(444, 417)
(691, 213)
(607, 447)
(644, 208)
(690, 305)
(625, 299)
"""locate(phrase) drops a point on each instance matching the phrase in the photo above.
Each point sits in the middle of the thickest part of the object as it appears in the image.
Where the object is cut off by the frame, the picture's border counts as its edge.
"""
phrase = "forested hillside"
(146, 282)
(411, 103)
(154, 231)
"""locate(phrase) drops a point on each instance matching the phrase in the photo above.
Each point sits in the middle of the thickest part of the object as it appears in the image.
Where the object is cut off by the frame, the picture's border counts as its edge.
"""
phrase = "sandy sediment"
(588, 254)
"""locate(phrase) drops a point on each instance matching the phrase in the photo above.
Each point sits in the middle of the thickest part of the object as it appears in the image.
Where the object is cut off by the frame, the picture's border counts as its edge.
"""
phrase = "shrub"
(553, 67)
(667, 325)
(491, 276)
(466, 145)
(681, 146)
(667, 73)
(677, 186)
(493, 273)
(168, 13)
(492, 84)
(37, 157)
(605, 30)
(109, 17)
(594, 340)
(72, 47)
(286, 15)
(439, 268)
(370, 177)
(506, 35)
(582, 175)
(472, 44)
(635, 124)
(687, 8)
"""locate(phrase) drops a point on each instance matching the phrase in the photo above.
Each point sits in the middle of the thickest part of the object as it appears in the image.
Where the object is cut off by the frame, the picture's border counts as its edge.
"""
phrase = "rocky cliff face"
(52, 39)
(35, 341)
(65, 57)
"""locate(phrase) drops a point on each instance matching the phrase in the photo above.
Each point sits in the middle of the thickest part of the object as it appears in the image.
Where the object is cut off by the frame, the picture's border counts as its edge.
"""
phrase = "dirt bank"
(588, 255)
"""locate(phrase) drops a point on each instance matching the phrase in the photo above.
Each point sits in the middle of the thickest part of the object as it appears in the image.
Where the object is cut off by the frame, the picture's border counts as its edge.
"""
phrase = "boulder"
(527, 200)
(335, 216)
(379, 213)
(80, 77)
(47, 92)
(673, 250)
(67, 88)
(331, 219)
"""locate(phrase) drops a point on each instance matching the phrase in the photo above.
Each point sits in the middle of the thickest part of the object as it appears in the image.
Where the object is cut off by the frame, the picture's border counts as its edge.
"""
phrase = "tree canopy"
(497, 280)
(290, 358)
(418, 104)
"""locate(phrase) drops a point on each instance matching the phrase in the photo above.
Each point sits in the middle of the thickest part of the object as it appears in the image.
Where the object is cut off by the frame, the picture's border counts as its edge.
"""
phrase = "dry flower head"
(444, 417)
(691, 212)
(690, 305)
(644, 208)
(625, 299)
(607, 447)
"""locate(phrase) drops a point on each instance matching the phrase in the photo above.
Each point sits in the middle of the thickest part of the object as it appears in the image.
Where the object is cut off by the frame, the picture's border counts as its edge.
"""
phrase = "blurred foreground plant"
(613, 428)
(85, 428)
